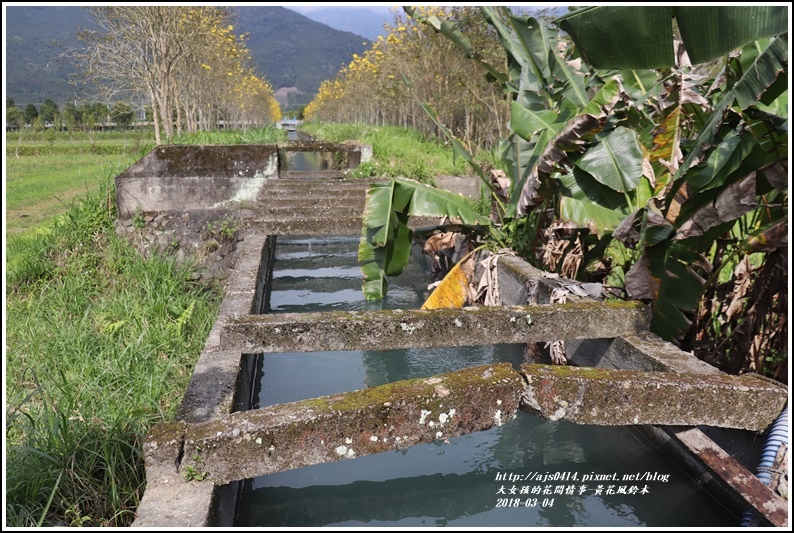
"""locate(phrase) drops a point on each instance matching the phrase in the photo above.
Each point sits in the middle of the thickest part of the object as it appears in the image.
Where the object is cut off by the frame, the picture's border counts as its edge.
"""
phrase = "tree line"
(185, 60)
(72, 116)
(413, 63)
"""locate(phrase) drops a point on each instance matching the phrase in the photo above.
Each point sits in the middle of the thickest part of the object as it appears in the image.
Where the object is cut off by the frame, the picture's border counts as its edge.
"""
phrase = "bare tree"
(173, 55)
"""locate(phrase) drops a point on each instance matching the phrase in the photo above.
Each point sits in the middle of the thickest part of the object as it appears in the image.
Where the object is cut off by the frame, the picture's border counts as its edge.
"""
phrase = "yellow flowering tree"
(186, 60)
(372, 88)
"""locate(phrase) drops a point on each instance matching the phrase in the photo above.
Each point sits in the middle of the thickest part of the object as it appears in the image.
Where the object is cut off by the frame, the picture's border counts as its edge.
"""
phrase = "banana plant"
(386, 239)
(605, 147)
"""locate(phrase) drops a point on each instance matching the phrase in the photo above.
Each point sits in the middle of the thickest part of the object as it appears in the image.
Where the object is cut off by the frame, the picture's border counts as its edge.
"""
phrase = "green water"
(465, 481)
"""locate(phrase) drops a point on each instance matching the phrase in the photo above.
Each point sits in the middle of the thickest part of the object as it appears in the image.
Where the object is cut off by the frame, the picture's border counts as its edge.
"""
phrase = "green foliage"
(31, 113)
(190, 473)
(194, 473)
(598, 154)
(48, 111)
(122, 114)
(397, 152)
(101, 343)
(223, 230)
(707, 33)
(266, 135)
(138, 220)
(15, 117)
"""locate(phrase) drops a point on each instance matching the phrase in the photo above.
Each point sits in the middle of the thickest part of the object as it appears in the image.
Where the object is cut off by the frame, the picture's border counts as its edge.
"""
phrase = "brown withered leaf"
(777, 175)
(501, 184)
(439, 241)
(769, 240)
(626, 233)
(736, 200)
(741, 284)
(640, 284)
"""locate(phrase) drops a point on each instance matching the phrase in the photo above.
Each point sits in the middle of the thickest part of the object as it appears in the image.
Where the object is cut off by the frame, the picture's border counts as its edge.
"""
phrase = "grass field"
(54, 168)
(39, 188)
(100, 342)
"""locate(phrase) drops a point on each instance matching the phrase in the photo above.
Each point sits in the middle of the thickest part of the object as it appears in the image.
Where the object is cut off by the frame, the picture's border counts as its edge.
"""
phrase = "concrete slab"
(470, 326)
(626, 397)
(343, 426)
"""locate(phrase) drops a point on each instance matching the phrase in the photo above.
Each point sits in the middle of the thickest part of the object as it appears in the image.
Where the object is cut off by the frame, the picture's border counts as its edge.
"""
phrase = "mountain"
(35, 36)
(293, 52)
(367, 21)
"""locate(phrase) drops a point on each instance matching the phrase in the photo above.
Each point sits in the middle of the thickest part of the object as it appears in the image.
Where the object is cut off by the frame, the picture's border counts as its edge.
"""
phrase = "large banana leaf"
(527, 122)
(680, 290)
(386, 239)
(385, 244)
(551, 150)
(616, 161)
(428, 201)
(592, 205)
(769, 67)
(531, 52)
(709, 32)
(766, 67)
(641, 37)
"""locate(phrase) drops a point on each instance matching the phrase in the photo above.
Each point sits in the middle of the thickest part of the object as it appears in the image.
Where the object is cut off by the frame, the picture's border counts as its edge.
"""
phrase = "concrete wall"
(183, 178)
(187, 177)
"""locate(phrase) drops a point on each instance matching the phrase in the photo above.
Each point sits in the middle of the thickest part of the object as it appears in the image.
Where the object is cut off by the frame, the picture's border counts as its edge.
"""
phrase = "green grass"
(40, 188)
(397, 152)
(50, 142)
(267, 135)
(100, 346)
(54, 168)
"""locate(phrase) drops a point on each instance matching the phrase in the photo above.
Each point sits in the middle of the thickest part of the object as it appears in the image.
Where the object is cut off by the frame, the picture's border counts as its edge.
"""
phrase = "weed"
(100, 343)
(223, 230)
(138, 220)
(190, 474)
(196, 473)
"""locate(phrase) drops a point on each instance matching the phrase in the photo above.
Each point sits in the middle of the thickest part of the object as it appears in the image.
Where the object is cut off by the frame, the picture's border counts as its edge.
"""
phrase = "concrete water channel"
(309, 407)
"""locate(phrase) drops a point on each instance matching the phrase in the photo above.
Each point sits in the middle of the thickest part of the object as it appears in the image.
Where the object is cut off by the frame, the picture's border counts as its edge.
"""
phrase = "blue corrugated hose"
(778, 436)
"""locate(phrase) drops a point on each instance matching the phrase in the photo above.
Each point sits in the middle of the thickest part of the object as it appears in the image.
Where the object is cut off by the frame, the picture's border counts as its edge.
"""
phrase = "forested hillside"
(288, 49)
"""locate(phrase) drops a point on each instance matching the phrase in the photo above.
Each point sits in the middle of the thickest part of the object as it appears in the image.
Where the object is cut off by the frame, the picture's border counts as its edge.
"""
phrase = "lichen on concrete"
(308, 332)
(343, 426)
(603, 396)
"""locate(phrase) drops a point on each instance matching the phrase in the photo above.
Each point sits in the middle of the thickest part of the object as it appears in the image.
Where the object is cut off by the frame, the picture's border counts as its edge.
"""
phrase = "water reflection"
(456, 484)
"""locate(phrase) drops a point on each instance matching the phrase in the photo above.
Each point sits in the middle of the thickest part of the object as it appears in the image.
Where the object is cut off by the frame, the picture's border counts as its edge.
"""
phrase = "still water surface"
(466, 481)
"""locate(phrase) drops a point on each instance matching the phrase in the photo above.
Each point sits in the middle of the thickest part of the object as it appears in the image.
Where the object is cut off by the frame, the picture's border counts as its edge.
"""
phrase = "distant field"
(53, 170)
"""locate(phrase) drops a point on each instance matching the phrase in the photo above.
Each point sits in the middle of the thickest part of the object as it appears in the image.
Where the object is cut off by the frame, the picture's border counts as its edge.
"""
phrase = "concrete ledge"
(471, 326)
(185, 177)
(309, 194)
(623, 397)
(646, 351)
(173, 502)
(394, 416)
(212, 388)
